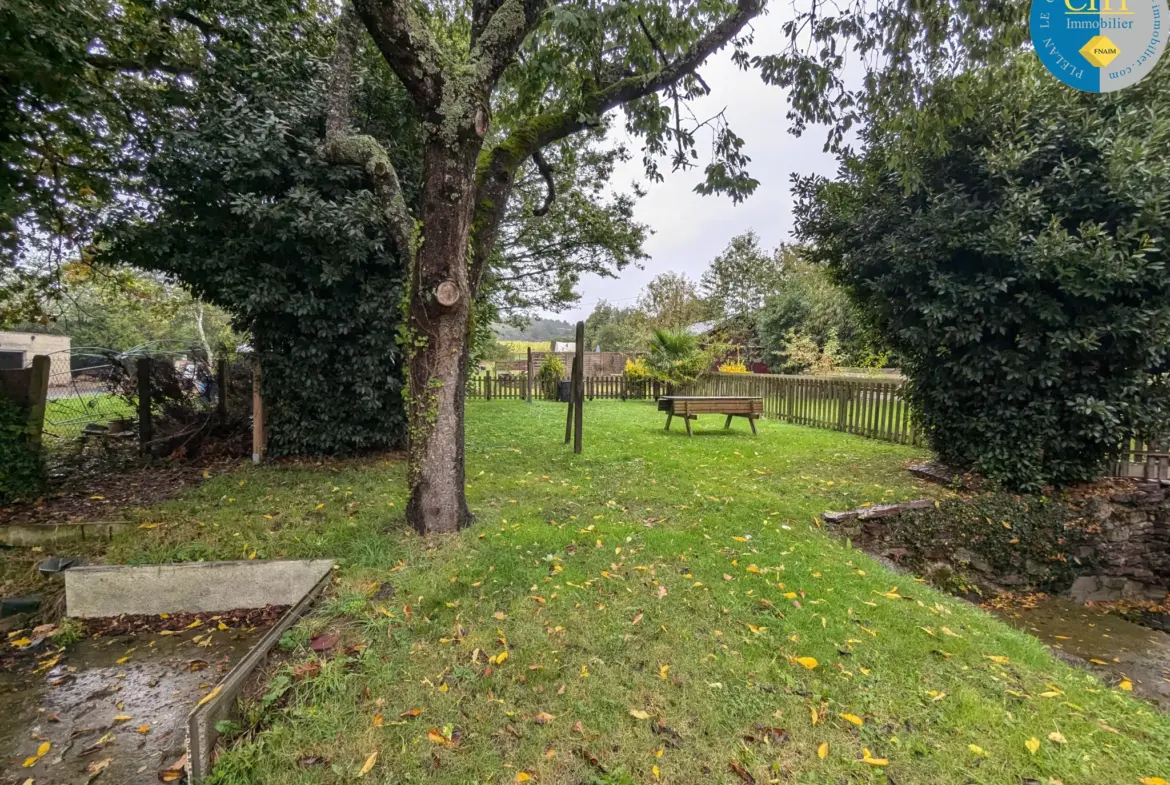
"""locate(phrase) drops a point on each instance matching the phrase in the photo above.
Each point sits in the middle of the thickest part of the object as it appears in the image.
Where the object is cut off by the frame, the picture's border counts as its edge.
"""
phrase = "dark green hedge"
(1018, 270)
(241, 208)
(22, 464)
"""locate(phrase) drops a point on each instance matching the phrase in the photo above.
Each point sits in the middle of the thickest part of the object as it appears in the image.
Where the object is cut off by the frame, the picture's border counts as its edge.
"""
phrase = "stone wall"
(1132, 548)
(1118, 532)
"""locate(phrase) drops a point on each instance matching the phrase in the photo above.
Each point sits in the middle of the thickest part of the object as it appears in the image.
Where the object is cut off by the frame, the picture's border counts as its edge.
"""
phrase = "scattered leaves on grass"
(369, 764)
(743, 773)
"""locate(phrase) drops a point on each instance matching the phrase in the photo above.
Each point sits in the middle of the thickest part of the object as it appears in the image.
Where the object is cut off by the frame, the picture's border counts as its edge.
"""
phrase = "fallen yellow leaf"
(1126, 685)
(853, 718)
(823, 750)
(143, 729)
(369, 764)
(1153, 781)
(638, 714)
(869, 760)
(523, 776)
(815, 717)
(807, 662)
(976, 749)
(655, 771)
(1032, 744)
(997, 658)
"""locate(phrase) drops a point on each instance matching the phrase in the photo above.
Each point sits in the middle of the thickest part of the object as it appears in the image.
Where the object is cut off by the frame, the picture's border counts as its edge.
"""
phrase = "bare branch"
(546, 172)
(406, 43)
(343, 147)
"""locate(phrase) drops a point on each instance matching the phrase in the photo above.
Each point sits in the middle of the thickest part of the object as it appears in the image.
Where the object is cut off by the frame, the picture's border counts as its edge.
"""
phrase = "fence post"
(578, 418)
(487, 385)
(38, 393)
(221, 389)
(528, 392)
(257, 414)
(145, 426)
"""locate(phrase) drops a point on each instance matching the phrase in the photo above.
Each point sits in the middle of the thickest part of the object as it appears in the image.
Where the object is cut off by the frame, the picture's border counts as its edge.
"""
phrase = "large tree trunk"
(439, 308)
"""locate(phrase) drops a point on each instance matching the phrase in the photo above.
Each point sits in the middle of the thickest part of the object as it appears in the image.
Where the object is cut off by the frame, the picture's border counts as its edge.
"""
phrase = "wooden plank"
(146, 427)
(578, 415)
(38, 394)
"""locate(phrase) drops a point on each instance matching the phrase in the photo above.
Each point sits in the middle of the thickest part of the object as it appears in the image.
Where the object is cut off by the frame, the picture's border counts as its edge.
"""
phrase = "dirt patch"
(106, 495)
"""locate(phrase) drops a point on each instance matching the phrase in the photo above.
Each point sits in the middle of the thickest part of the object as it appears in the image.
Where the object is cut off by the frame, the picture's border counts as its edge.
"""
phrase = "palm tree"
(675, 356)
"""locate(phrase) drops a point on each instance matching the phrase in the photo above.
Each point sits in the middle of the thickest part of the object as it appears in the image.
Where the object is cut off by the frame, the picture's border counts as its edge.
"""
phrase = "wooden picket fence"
(869, 407)
(1148, 460)
(514, 386)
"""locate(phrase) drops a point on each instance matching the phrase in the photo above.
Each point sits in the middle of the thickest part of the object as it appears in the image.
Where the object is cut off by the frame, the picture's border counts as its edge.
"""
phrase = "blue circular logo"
(1099, 45)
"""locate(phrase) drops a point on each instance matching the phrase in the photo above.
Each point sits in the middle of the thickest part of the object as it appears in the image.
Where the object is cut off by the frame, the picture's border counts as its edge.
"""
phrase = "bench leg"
(752, 421)
(669, 417)
(727, 424)
(688, 421)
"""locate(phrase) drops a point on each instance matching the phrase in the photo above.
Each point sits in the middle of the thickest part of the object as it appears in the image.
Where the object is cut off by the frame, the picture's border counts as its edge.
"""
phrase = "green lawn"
(654, 578)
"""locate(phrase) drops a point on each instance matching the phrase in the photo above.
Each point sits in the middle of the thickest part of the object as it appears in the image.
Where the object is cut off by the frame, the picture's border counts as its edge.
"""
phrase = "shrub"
(1022, 281)
(734, 366)
(637, 370)
(550, 373)
(22, 464)
(675, 356)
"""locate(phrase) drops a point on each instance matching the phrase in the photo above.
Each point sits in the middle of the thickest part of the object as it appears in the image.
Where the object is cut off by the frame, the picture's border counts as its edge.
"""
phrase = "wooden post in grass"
(38, 394)
(257, 414)
(145, 426)
(569, 414)
(487, 385)
(579, 388)
(528, 391)
(221, 389)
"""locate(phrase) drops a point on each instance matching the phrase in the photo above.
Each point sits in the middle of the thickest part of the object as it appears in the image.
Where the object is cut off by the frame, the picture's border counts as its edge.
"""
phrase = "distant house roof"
(701, 328)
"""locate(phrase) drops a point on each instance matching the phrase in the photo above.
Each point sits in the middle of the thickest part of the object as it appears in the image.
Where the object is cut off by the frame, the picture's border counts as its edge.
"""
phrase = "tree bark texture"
(438, 361)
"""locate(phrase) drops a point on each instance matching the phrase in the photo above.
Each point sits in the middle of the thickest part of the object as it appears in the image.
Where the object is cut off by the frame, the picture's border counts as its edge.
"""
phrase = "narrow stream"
(1110, 646)
(114, 707)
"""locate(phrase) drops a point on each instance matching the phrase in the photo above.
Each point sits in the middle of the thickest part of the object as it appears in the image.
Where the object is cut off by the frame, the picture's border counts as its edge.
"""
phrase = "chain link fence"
(191, 400)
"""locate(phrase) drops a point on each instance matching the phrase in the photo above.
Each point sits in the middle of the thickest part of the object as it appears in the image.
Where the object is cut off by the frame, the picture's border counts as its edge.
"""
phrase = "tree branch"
(497, 170)
(546, 172)
(343, 147)
(406, 43)
(503, 33)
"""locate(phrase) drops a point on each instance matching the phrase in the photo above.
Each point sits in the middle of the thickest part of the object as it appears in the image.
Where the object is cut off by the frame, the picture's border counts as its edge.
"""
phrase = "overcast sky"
(689, 229)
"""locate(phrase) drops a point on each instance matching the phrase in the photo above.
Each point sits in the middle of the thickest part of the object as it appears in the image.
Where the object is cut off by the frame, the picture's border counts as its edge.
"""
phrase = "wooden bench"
(689, 407)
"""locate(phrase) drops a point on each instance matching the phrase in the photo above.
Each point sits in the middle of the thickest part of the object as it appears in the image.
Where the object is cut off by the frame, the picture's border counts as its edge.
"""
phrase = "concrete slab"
(24, 535)
(221, 703)
(194, 587)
